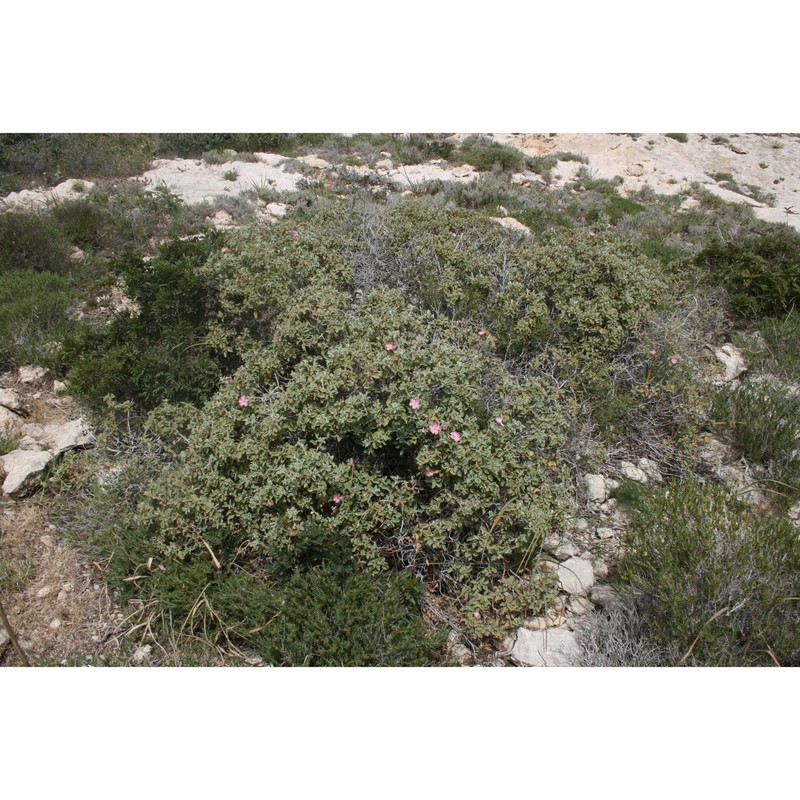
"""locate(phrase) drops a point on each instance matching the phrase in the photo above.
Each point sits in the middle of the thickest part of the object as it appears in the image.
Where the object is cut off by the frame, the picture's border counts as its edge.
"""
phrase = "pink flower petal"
(435, 428)
(389, 346)
(455, 436)
(244, 400)
(499, 421)
(414, 403)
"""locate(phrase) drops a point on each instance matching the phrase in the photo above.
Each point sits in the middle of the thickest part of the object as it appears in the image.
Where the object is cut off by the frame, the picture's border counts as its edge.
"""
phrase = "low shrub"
(157, 352)
(486, 155)
(711, 577)
(763, 422)
(33, 316)
(381, 437)
(762, 273)
(32, 242)
(678, 137)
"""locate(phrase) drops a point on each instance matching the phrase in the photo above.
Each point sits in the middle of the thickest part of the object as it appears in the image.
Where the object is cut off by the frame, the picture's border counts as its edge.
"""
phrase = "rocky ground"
(58, 604)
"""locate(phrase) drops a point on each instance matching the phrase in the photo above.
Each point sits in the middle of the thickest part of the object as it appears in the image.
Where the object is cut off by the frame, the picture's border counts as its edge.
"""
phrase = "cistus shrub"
(707, 569)
(578, 290)
(392, 441)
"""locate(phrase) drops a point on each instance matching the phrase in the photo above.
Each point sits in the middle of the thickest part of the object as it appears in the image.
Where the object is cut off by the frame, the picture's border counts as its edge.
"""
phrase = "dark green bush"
(707, 569)
(762, 273)
(53, 157)
(484, 154)
(678, 137)
(158, 353)
(32, 242)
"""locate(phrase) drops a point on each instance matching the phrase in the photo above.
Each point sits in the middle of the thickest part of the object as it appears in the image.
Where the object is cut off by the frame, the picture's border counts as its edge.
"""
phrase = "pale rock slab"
(512, 224)
(733, 360)
(58, 438)
(22, 468)
(10, 400)
(576, 575)
(30, 374)
(554, 647)
(4, 640)
(8, 419)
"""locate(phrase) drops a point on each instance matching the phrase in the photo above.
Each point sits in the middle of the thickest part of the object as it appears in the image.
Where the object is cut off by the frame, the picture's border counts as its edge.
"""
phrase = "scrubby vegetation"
(337, 435)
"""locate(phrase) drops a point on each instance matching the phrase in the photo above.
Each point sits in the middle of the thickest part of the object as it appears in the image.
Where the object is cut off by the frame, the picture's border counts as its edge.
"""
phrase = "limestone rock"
(596, 488)
(555, 647)
(4, 640)
(650, 468)
(605, 533)
(512, 224)
(10, 400)
(8, 419)
(384, 163)
(58, 438)
(576, 575)
(632, 472)
(21, 468)
(30, 374)
(733, 360)
(276, 209)
(579, 605)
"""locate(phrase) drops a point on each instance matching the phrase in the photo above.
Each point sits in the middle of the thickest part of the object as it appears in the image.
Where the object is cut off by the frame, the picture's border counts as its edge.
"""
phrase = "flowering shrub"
(330, 461)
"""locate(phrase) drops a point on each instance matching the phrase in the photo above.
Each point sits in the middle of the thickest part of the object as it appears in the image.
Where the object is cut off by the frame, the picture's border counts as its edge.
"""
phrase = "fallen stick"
(13, 637)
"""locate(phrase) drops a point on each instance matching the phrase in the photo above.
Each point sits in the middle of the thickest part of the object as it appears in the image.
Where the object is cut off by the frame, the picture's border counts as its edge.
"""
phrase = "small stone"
(565, 550)
(4, 639)
(576, 576)
(22, 468)
(733, 360)
(579, 605)
(650, 468)
(555, 647)
(596, 488)
(55, 624)
(62, 596)
(43, 592)
(31, 374)
(67, 587)
(276, 209)
(384, 163)
(11, 400)
(581, 524)
(632, 472)
(794, 511)
(605, 533)
(59, 387)
(502, 211)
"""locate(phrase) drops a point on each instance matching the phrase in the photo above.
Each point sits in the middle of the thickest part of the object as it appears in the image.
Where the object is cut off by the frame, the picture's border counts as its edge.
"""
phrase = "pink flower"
(224, 249)
(295, 234)
(592, 233)
(429, 473)
(389, 346)
(673, 360)
(499, 421)
(227, 380)
(654, 352)
(435, 428)
(414, 403)
(455, 436)
(481, 331)
(244, 400)
(337, 498)
(476, 614)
